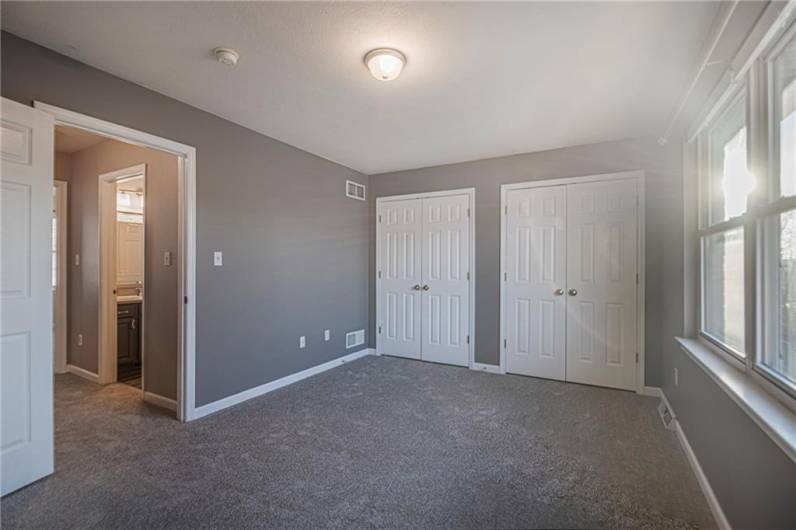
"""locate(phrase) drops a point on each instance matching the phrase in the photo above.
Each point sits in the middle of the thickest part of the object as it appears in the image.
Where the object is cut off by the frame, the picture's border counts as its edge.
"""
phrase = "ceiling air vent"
(355, 190)
(354, 338)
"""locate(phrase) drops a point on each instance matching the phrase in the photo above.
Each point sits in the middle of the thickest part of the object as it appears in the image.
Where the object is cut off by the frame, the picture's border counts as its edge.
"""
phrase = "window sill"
(774, 418)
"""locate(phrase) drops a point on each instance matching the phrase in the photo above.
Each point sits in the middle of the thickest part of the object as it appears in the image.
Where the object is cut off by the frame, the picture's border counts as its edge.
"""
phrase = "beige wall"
(82, 170)
(62, 166)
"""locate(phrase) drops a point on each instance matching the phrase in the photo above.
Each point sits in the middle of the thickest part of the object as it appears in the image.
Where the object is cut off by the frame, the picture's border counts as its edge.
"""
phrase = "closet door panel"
(399, 330)
(445, 265)
(535, 305)
(602, 250)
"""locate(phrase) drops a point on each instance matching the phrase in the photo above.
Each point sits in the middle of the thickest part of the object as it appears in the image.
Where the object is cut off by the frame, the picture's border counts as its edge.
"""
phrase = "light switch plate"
(302, 341)
(218, 259)
(327, 335)
(167, 258)
(77, 260)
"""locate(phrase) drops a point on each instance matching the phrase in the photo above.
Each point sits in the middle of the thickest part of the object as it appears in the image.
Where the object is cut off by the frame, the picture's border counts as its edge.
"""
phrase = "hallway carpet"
(379, 442)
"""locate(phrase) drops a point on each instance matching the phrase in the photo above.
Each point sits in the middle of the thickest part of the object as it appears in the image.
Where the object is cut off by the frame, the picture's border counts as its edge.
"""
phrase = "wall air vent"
(354, 190)
(666, 416)
(355, 338)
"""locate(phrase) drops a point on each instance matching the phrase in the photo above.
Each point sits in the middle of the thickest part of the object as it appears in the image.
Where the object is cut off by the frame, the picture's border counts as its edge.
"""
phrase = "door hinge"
(380, 275)
(636, 278)
(636, 357)
(380, 218)
(505, 276)
(468, 275)
(504, 344)
(184, 299)
(468, 339)
(468, 212)
(506, 210)
(379, 330)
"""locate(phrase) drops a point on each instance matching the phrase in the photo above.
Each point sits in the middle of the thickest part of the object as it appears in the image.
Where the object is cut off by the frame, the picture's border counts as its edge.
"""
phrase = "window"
(747, 221)
(783, 75)
(730, 180)
(779, 350)
(728, 185)
(724, 288)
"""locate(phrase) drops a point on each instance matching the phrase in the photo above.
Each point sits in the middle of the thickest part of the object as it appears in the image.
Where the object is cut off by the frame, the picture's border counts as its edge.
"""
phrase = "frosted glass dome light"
(385, 64)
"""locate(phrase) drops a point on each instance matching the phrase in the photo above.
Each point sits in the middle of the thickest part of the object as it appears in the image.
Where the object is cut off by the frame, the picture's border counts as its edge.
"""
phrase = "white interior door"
(535, 309)
(602, 249)
(129, 253)
(446, 268)
(399, 278)
(26, 354)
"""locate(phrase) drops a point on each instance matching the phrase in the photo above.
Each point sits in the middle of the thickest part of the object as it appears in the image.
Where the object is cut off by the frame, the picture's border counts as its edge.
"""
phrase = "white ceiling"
(482, 79)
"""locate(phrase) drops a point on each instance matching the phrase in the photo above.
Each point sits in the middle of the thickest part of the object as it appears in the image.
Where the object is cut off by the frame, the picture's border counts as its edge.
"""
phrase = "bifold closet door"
(399, 300)
(446, 289)
(535, 282)
(602, 250)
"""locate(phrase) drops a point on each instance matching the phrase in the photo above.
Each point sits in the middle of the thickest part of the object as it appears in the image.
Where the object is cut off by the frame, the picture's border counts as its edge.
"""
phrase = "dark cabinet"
(128, 340)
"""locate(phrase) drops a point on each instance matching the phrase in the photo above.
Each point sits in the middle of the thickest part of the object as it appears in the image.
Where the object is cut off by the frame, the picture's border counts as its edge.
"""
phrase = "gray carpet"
(380, 442)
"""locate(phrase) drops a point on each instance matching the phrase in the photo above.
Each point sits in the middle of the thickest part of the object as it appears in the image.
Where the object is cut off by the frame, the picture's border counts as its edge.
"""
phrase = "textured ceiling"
(482, 79)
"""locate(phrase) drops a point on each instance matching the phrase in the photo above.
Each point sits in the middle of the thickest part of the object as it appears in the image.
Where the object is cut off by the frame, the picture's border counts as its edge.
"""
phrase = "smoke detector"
(226, 56)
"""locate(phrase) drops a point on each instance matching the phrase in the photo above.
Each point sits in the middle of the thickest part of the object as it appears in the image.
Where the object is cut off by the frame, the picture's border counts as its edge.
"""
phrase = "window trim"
(756, 88)
(735, 94)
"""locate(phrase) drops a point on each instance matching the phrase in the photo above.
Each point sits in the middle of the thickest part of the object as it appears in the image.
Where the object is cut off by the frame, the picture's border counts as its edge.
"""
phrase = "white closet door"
(602, 243)
(400, 281)
(535, 282)
(26, 325)
(446, 259)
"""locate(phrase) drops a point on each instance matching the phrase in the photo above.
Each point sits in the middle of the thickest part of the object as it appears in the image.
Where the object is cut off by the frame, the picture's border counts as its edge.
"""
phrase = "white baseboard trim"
(80, 372)
(160, 401)
(702, 479)
(246, 395)
(489, 368)
(652, 391)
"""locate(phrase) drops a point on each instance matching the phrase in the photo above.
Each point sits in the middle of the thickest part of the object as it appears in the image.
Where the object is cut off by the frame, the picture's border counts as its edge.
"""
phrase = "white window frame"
(770, 201)
(755, 85)
(728, 101)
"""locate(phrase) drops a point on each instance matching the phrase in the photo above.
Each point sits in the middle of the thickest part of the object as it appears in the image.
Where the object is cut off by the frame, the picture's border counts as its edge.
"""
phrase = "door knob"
(426, 287)
(573, 292)
(416, 287)
(558, 292)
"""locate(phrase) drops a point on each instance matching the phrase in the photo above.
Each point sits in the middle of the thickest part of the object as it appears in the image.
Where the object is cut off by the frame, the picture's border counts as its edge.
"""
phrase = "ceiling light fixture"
(385, 64)
(226, 56)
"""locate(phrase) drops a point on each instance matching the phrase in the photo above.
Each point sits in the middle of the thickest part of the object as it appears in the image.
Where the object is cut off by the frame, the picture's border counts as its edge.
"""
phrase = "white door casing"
(399, 278)
(26, 332)
(445, 290)
(59, 292)
(535, 282)
(602, 263)
(108, 274)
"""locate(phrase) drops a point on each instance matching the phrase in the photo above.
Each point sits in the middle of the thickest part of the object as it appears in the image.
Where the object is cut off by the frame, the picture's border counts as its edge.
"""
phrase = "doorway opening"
(116, 266)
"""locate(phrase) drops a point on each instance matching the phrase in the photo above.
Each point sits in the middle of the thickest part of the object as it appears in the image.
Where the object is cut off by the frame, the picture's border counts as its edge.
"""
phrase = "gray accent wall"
(662, 166)
(753, 479)
(161, 324)
(295, 248)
